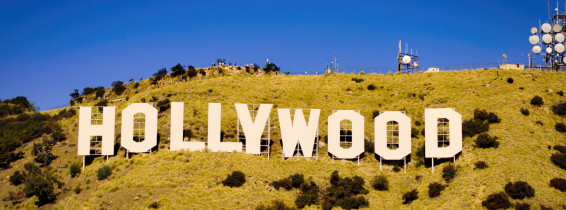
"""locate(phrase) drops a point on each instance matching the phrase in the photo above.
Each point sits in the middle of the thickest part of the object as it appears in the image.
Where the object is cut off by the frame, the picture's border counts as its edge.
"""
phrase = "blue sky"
(49, 48)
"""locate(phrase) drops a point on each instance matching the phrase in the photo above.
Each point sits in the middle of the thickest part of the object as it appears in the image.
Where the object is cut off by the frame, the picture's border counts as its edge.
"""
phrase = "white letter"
(404, 134)
(87, 130)
(432, 150)
(214, 143)
(177, 143)
(297, 132)
(253, 129)
(150, 136)
(357, 134)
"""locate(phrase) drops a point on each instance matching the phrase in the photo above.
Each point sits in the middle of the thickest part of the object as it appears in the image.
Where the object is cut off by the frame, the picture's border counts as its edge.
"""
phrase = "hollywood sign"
(294, 132)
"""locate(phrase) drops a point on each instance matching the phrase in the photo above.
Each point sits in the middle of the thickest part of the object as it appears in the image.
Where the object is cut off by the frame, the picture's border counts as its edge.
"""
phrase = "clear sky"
(49, 48)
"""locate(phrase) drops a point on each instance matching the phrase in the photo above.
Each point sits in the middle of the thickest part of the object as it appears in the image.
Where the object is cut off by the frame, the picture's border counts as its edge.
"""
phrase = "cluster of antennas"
(552, 37)
(407, 60)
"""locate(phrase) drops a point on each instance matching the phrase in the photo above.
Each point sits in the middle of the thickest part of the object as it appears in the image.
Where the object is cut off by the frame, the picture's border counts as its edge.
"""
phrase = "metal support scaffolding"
(265, 141)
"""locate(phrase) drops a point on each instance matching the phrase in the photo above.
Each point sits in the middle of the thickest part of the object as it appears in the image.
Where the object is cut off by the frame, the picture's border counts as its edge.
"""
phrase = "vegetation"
(357, 80)
(177, 70)
(275, 205)
(308, 195)
(345, 192)
(510, 80)
(164, 105)
(484, 140)
(525, 112)
(434, 189)
(519, 190)
(558, 183)
(380, 183)
(118, 87)
(480, 165)
(537, 101)
(410, 196)
(559, 109)
(522, 206)
(371, 87)
(191, 72)
(271, 67)
(104, 172)
(560, 127)
(236, 179)
(497, 201)
(75, 170)
(448, 172)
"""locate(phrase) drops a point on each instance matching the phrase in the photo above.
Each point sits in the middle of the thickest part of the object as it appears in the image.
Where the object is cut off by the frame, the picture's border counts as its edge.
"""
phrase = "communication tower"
(407, 62)
(548, 41)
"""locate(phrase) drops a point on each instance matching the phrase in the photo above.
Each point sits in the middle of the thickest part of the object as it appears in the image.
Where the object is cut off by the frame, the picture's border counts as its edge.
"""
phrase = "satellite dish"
(557, 28)
(547, 38)
(415, 64)
(564, 59)
(559, 48)
(559, 37)
(545, 28)
(406, 59)
(549, 50)
(534, 30)
(533, 39)
(536, 49)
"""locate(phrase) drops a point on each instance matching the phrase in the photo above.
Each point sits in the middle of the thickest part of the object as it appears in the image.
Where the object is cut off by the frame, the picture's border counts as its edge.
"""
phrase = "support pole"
(83, 163)
(379, 163)
(106, 158)
(432, 166)
(405, 164)
(454, 159)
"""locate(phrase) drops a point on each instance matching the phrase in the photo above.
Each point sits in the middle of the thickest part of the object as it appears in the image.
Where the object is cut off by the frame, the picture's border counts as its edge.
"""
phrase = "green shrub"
(371, 87)
(410, 196)
(560, 148)
(559, 109)
(344, 188)
(483, 115)
(297, 180)
(396, 168)
(525, 112)
(519, 190)
(497, 201)
(484, 140)
(101, 103)
(523, 206)
(78, 190)
(45, 158)
(448, 172)
(118, 87)
(177, 70)
(75, 169)
(560, 93)
(434, 189)
(164, 105)
(17, 178)
(480, 165)
(284, 183)
(308, 195)
(192, 72)
(236, 179)
(104, 172)
(474, 126)
(510, 80)
(559, 159)
(557, 183)
(537, 101)
(560, 127)
(357, 80)
(353, 202)
(380, 183)
(271, 67)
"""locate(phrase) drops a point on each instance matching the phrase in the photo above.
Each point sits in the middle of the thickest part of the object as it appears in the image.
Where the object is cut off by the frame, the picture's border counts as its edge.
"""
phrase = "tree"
(75, 94)
(177, 70)
(75, 169)
(192, 72)
(118, 87)
(271, 67)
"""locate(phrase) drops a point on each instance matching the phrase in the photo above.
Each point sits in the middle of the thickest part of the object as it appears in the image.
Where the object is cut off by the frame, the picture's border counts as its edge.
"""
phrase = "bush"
(353, 202)
(557, 183)
(525, 112)
(284, 183)
(344, 192)
(396, 168)
(519, 190)
(483, 115)
(104, 172)
(559, 109)
(17, 178)
(275, 205)
(510, 80)
(484, 140)
(308, 195)
(434, 189)
(45, 158)
(192, 72)
(297, 180)
(474, 126)
(75, 169)
(236, 179)
(78, 190)
(559, 159)
(357, 80)
(497, 201)
(523, 206)
(448, 172)
(560, 148)
(271, 67)
(118, 87)
(163, 105)
(380, 183)
(177, 70)
(410, 196)
(480, 165)
(371, 87)
(159, 74)
(537, 101)
(560, 127)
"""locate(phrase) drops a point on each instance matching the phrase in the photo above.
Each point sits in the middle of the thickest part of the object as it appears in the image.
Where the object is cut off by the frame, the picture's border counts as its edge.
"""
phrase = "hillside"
(193, 180)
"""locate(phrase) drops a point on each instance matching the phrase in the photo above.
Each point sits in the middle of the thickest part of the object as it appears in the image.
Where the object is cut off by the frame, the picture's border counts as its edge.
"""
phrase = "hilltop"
(191, 180)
